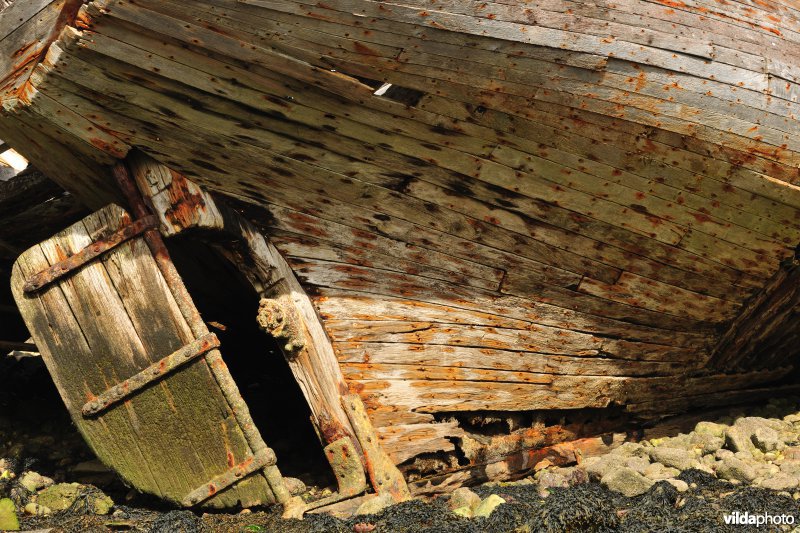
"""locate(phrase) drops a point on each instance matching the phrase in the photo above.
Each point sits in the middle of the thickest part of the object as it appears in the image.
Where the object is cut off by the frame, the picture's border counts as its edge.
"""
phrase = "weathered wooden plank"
(492, 312)
(537, 339)
(560, 392)
(383, 354)
(648, 294)
(486, 309)
(66, 167)
(318, 273)
(762, 136)
(404, 441)
(484, 231)
(295, 246)
(504, 30)
(16, 14)
(534, 339)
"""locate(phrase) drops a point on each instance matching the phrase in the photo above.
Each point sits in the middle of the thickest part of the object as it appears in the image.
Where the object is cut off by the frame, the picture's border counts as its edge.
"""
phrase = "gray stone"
(629, 449)
(680, 485)
(637, 463)
(792, 453)
(733, 468)
(769, 470)
(552, 479)
(375, 505)
(781, 481)
(598, 469)
(463, 497)
(723, 453)
(657, 472)
(751, 423)
(682, 440)
(745, 456)
(792, 419)
(575, 475)
(767, 439)
(465, 511)
(8, 516)
(738, 439)
(488, 505)
(790, 467)
(627, 481)
(708, 460)
(61, 496)
(707, 443)
(673, 457)
(34, 481)
(711, 429)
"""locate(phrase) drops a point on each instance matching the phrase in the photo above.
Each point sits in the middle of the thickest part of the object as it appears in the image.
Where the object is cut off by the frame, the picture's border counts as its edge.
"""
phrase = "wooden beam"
(13, 346)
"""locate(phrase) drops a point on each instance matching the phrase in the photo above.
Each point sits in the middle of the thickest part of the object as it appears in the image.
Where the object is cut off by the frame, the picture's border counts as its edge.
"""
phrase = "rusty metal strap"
(88, 254)
(153, 372)
(264, 458)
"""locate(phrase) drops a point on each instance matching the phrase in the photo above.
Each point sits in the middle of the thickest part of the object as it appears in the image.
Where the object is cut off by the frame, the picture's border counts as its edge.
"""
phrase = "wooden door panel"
(106, 322)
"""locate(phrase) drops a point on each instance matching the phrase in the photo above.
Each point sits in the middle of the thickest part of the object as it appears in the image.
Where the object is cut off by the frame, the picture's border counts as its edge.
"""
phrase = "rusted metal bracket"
(264, 458)
(279, 318)
(88, 254)
(349, 471)
(153, 372)
(383, 473)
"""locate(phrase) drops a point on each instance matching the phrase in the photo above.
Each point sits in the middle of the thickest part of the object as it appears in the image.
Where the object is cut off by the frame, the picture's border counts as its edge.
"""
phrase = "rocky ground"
(746, 461)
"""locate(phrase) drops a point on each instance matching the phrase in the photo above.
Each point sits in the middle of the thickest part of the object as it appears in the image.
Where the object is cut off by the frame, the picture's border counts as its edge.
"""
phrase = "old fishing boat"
(481, 233)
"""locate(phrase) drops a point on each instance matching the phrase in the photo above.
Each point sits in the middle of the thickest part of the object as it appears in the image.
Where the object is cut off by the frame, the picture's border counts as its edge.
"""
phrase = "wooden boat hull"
(555, 207)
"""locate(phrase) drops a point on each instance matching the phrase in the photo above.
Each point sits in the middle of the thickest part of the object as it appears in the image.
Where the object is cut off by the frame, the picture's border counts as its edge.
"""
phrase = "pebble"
(767, 440)
(61, 496)
(710, 428)
(629, 449)
(792, 453)
(627, 481)
(657, 472)
(465, 511)
(781, 481)
(638, 463)
(35, 509)
(488, 505)
(33, 481)
(735, 469)
(680, 485)
(463, 497)
(673, 457)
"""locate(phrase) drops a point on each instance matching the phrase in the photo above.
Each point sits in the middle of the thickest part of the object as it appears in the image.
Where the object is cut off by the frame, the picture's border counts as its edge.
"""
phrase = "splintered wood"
(577, 206)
